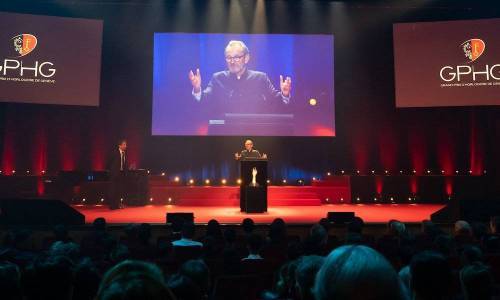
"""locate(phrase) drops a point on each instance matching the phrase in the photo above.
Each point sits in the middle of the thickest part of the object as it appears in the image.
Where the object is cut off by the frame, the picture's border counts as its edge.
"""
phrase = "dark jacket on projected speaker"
(244, 95)
(249, 154)
(115, 164)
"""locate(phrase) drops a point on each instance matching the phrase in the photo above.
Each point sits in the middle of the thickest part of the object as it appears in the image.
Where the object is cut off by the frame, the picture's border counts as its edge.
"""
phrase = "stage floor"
(371, 213)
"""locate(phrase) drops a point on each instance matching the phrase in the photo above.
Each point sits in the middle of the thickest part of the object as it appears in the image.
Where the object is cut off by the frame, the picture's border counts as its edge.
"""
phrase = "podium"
(253, 194)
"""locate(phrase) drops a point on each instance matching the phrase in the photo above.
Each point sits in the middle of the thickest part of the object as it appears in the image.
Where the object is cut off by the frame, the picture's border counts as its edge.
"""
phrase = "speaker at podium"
(253, 189)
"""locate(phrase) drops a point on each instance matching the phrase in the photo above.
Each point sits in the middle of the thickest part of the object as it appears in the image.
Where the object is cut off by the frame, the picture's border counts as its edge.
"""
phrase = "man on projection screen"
(239, 89)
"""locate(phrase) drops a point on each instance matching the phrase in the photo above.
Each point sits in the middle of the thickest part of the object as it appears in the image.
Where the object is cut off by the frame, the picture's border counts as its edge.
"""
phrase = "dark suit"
(252, 154)
(242, 95)
(117, 172)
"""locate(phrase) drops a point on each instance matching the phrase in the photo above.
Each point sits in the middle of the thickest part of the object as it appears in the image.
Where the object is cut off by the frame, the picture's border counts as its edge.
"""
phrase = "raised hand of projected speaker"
(195, 79)
(285, 85)
(237, 156)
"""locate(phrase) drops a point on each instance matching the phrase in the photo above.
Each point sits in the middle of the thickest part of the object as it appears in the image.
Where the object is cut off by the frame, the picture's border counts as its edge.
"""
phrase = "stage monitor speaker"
(38, 212)
(340, 217)
(179, 218)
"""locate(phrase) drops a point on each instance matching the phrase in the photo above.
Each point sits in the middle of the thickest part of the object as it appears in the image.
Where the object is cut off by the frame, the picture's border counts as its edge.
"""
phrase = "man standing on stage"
(239, 89)
(117, 166)
(249, 152)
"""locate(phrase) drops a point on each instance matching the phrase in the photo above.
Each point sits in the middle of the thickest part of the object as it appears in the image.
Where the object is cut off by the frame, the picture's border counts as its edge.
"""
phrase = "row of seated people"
(430, 264)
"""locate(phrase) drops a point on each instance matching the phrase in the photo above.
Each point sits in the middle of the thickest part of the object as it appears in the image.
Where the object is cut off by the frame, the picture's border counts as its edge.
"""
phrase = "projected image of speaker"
(38, 212)
(341, 217)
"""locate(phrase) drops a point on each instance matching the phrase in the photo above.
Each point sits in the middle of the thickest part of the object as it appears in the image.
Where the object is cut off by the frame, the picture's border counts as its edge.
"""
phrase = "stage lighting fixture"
(300, 182)
(150, 199)
(177, 179)
(312, 102)
(169, 200)
(442, 171)
(358, 199)
(284, 181)
(27, 171)
(13, 171)
(223, 181)
(386, 172)
(341, 199)
(392, 199)
(162, 173)
(102, 199)
(373, 171)
(375, 199)
(456, 172)
(342, 172)
(428, 171)
(327, 199)
(43, 171)
(191, 181)
(484, 171)
(238, 181)
(83, 199)
(268, 181)
(414, 171)
(357, 171)
(121, 199)
(328, 174)
(470, 171)
(207, 181)
(148, 171)
(314, 178)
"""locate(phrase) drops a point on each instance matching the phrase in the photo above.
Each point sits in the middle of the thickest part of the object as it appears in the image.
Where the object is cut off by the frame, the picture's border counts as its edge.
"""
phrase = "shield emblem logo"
(24, 44)
(473, 49)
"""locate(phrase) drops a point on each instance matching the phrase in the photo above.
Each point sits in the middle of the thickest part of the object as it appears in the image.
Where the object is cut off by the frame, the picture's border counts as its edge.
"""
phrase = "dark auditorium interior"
(249, 149)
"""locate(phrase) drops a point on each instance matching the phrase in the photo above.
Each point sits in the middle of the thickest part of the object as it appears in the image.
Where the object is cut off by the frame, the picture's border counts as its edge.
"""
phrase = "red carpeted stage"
(371, 213)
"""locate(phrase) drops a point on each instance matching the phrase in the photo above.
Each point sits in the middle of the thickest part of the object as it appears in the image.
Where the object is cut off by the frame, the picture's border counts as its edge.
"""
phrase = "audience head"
(248, 225)
(430, 275)
(49, 278)
(471, 254)
(10, 281)
(70, 250)
(255, 243)
(133, 280)
(463, 228)
(476, 282)
(396, 228)
(479, 230)
(87, 279)
(430, 229)
(188, 230)
(356, 225)
(144, 232)
(214, 229)
(357, 272)
(99, 224)
(229, 235)
(325, 223)
(61, 233)
(184, 288)
(277, 230)
(198, 272)
(177, 223)
(444, 244)
(318, 234)
(305, 274)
